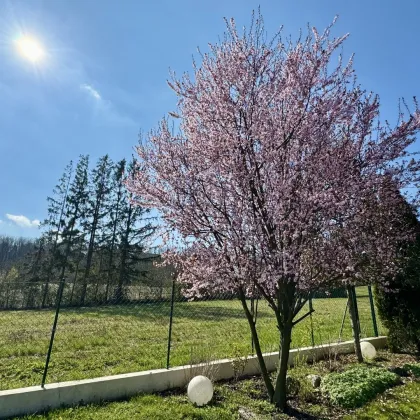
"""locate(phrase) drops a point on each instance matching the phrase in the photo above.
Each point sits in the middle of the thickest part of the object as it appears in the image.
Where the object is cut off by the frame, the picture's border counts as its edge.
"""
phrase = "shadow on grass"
(149, 311)
(297, 414)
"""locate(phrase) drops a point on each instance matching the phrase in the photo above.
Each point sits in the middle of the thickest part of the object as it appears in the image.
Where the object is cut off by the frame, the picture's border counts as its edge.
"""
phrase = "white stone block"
(368, 350)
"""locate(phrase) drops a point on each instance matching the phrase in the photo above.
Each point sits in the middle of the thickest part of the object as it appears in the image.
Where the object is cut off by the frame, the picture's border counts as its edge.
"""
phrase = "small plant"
(201, 363)
(307, 392)
(300, 360)
(356, 386)
(292, 385)
(331, 356)
(413, 368)
(238, 362)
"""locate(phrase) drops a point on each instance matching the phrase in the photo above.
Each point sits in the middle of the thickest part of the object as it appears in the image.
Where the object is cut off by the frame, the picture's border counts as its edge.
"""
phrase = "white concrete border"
(34, 399)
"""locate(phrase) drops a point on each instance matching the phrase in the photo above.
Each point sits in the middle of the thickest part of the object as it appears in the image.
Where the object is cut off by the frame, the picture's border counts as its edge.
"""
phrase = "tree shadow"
(161, 310)
(297, 414)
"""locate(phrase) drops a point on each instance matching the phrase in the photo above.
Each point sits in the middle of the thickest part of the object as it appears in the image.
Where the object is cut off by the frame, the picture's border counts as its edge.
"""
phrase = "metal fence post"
(372, 310)
(254, 312)
(342, 321)
(54, 328)
(355, 320)
(356, 310)
(311, 309)
(168, 355)
(6, 306)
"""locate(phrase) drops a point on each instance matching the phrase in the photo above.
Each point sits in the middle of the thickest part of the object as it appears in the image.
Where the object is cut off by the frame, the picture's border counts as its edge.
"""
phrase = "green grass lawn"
(225, 406)
(397, 403)
(247, 399)
(107, 340)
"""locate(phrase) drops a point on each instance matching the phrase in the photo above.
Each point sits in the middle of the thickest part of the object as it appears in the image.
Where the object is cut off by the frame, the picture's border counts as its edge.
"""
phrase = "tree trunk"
(125, 244)
(264, 372)
(91, 248)
(87, 269)
(49, 273)
(118, 296)
(45, 293)
(354, 317)
(79, 257)
(111, 252)
(98, 277)
(110, 271)
(280, 391)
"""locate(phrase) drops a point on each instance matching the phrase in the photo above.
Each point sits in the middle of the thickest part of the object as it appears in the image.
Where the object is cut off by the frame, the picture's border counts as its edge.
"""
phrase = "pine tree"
(96, 212)
(77, 260)
(133, 231)
(115, 214)
(55, 222)
(75, 212)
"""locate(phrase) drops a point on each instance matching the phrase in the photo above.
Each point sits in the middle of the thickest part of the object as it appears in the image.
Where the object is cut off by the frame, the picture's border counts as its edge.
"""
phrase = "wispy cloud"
(23, 221)
(91, 91)
(104, 110)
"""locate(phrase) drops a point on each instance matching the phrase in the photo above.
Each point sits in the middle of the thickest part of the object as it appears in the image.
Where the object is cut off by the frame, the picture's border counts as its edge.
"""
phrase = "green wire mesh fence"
(51, 338)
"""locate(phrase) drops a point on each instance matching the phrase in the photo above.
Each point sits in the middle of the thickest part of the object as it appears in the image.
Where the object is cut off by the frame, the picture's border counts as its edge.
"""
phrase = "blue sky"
(106, 65)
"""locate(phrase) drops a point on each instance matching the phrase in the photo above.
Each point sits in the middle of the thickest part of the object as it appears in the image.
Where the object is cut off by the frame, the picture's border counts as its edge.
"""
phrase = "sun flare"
(30, 49)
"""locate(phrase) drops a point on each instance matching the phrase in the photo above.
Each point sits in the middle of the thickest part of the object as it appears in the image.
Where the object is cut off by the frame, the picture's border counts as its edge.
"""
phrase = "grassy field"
(98, 341)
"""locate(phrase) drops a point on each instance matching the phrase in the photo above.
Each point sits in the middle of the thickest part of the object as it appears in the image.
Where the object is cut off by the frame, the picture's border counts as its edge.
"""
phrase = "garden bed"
(246, 399)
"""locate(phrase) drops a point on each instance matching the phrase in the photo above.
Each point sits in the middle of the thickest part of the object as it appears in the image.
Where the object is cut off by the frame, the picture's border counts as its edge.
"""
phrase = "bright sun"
(30, 49)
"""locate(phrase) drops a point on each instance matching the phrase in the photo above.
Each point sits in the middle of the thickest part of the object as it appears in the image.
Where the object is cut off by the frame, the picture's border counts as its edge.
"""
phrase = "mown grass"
(226, 404)
(98, 341)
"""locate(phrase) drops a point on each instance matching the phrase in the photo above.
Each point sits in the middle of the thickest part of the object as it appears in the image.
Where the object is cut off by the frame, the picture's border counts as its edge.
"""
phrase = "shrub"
(413, 368)
(358, 385)
(398, 304)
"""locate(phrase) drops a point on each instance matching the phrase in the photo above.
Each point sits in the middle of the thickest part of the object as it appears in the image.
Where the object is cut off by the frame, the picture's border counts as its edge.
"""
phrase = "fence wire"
(139, 328)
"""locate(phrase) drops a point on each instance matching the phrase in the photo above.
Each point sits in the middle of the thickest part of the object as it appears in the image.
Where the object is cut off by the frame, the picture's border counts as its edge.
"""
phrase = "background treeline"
(12, 252)
(93, 239)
